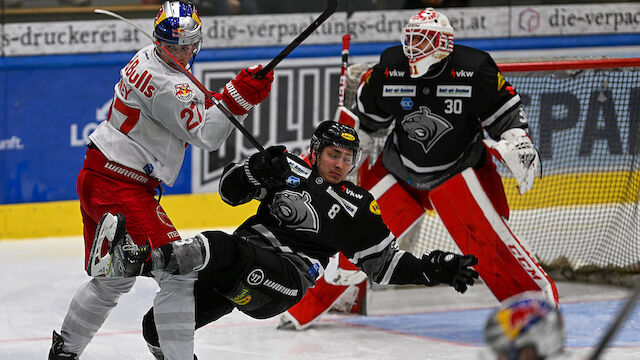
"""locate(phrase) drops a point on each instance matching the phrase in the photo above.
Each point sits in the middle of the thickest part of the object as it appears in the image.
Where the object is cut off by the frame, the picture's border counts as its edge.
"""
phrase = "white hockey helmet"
(525, 320)
(178, 23)
(426, 39)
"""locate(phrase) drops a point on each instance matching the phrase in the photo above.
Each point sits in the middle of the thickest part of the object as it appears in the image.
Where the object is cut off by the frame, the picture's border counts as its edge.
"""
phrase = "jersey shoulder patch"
(298, 166)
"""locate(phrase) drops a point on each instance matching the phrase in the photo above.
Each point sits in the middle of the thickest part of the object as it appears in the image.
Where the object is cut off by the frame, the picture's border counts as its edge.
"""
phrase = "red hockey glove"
(241, 93)
(439, 267)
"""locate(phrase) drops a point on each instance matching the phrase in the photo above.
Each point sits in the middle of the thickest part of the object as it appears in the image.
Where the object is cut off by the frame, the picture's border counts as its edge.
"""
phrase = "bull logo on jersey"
(183, 92)
(425, 128)
(294, 211)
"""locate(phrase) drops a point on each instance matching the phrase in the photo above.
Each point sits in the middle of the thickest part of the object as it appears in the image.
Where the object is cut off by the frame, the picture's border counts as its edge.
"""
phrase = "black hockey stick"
(331, 7)
(619, 320)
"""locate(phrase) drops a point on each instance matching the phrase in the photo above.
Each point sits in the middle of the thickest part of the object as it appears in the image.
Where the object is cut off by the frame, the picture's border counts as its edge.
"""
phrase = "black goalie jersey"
(439, 116)
(315, 219)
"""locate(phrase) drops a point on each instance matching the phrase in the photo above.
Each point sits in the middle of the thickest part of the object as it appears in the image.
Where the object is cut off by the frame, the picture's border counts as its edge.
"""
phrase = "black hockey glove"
(265, 172)
(439, 267)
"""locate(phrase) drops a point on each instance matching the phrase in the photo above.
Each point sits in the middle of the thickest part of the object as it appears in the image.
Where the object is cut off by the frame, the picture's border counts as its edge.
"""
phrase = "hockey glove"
(439, 267)
(243, 92)
(518, 154)
(268, 173)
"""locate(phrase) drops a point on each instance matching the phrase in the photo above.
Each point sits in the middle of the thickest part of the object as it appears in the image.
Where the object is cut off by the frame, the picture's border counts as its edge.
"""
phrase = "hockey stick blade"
(615, 325)
(202, 88)
(331, 7)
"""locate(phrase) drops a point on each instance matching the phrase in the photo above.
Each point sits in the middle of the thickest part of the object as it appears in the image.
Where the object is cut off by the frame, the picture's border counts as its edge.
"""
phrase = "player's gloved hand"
(518, 154)
(268, 172)
(245, 91)
(439, 267)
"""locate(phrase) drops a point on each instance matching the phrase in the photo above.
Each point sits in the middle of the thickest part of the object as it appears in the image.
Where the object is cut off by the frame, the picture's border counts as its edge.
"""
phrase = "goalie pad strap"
(505, 263)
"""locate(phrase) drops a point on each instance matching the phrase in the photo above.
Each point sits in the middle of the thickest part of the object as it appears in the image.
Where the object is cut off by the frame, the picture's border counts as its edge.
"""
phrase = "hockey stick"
(331, 7)
(619, 320)
(343, 71)
(198, 84)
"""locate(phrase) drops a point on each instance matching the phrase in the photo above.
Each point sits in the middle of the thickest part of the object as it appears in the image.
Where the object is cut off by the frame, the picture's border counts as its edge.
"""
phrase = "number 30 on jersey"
(453, 106)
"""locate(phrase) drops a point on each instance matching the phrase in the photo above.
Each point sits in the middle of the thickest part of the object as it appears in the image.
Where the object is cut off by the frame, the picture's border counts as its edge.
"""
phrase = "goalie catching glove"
(517, 153)
(267, 172)
(245, 91)
(439, 267)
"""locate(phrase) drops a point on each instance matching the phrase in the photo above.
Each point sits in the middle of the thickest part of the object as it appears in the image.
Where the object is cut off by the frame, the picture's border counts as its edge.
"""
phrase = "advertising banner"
(580, 121)
(110, 35)
(47, 117)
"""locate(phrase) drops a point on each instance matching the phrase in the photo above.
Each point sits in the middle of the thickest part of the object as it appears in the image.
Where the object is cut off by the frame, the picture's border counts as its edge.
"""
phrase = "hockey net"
(581, 219)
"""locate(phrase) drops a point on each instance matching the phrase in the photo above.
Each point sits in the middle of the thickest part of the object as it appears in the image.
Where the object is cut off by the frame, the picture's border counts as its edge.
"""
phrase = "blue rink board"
(585, 323)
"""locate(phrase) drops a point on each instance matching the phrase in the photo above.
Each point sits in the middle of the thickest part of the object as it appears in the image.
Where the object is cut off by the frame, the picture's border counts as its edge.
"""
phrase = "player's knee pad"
(183, 256)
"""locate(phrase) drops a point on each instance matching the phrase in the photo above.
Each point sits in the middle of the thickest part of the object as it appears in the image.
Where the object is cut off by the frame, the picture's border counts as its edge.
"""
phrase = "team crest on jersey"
(425, 128)
(183, 92)
(294, 210)
(374, 208)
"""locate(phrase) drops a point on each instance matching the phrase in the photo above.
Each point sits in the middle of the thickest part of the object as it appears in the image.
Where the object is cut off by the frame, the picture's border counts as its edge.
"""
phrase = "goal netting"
(581, 219)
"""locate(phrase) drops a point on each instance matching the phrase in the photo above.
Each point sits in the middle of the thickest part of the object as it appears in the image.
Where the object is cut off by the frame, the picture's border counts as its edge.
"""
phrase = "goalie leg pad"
(401, 209)
(505, 263)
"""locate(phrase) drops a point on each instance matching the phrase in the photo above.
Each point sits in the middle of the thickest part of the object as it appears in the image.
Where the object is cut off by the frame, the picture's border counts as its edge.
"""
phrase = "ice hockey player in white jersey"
(156, 112)
(306, 214)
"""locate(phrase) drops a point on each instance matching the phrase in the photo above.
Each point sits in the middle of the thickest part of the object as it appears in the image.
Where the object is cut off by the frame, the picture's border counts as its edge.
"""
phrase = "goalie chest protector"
(439, 115)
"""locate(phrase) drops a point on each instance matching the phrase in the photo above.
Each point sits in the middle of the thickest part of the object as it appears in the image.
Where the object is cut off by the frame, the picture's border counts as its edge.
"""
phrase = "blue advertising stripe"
(321, 50)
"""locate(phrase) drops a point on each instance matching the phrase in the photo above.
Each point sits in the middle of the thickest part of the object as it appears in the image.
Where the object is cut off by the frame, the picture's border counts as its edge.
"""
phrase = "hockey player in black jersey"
(441, 99)
(307, 214)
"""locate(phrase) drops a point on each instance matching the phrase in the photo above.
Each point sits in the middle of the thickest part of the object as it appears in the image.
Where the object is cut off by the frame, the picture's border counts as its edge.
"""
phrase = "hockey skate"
(56, 352)
(123, 258)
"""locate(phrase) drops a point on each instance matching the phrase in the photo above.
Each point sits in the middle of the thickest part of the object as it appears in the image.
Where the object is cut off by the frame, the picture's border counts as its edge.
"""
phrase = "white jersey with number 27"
(156, 112)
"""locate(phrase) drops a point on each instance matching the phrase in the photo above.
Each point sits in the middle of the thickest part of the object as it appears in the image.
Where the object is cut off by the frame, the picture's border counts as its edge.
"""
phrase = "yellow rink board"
(194, 211)
(62, 218)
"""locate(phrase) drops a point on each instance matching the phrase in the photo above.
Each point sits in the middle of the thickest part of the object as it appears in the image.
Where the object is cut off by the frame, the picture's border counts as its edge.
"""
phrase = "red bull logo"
(177, 32)
(521, 316)
(183, 92)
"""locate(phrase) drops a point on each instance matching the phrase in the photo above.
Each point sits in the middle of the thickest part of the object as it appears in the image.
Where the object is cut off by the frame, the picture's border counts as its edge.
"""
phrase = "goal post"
(582, 217)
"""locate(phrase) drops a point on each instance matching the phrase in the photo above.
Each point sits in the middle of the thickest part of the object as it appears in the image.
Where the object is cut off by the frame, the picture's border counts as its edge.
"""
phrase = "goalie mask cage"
(581, 219)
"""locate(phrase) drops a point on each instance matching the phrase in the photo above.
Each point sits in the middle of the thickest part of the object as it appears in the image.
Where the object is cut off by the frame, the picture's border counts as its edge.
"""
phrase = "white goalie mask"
(426, 40)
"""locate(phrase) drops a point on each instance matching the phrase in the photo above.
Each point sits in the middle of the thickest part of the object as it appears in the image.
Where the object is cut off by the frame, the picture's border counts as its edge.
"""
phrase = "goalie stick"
(330, 9)
(343, 114)
(618, 321)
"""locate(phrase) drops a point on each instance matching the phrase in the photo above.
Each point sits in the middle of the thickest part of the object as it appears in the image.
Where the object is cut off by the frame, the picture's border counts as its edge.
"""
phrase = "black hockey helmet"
(330, 132)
